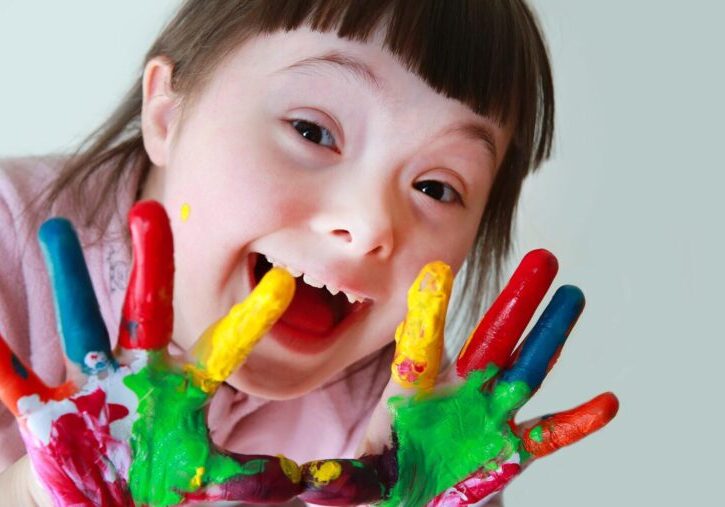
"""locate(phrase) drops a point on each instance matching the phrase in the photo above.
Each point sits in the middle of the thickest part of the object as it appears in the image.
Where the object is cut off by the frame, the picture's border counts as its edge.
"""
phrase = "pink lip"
(301, 340)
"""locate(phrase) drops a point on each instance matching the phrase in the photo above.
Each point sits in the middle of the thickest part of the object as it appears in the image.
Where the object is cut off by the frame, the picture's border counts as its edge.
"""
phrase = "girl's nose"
(359, 227)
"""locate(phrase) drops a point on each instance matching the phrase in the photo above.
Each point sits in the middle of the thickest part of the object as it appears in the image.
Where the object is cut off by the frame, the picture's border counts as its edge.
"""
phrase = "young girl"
(349, 142)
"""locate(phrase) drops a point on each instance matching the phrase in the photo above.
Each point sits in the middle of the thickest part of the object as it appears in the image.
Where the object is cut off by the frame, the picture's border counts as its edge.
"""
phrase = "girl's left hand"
(459, 445)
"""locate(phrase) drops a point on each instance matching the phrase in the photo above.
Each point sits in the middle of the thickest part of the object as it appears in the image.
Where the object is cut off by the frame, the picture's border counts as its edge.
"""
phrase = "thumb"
(21, 485)
(418, 351)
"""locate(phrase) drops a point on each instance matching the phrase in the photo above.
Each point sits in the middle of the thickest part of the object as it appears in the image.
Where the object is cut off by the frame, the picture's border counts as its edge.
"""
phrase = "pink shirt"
(325, 423)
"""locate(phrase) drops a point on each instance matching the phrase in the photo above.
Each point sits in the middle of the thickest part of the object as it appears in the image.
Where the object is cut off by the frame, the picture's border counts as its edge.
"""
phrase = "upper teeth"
(314, 282)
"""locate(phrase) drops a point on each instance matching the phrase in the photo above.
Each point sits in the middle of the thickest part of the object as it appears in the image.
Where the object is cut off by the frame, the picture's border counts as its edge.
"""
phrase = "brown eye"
(438, 191)
(314, 133)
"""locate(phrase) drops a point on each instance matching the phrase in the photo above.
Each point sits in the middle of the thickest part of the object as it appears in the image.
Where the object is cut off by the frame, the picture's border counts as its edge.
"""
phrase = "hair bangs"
(487, 54)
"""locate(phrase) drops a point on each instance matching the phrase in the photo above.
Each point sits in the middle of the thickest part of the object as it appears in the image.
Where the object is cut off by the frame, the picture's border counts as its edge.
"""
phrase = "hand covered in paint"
(131, 428)
(459, 445)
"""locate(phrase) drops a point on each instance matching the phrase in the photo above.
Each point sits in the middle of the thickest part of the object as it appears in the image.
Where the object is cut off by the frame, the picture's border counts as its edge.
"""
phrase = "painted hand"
(459, 445)
(130, 428)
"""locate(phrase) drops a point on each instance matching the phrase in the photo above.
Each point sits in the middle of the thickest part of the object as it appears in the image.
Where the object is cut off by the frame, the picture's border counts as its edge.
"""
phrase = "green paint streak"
(170, 440)
(445, 437)
(537, 434)
(357, 464)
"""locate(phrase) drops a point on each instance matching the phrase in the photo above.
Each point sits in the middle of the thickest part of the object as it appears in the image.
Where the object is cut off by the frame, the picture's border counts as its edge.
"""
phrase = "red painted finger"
(147, 311)
(553, 432)
(18, 381)
(500, 329)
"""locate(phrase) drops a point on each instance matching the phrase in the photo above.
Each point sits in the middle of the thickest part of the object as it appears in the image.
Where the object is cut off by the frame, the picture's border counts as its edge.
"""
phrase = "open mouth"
(315, 314)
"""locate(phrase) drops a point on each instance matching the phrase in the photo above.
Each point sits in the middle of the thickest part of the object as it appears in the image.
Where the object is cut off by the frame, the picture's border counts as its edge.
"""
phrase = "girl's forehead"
(304, 54)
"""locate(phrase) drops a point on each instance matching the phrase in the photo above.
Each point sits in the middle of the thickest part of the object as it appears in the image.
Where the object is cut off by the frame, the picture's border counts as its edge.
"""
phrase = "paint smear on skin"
(226, 344)
(446, 437)
(171, 434)
(325, 472)
(185, 211)
(290, 469)
(537, 434)
(77, 438)
(479, 487)
(419, 337)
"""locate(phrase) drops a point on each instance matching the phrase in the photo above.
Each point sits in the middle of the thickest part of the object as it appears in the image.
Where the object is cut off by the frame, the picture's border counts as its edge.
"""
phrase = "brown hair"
(488, 54)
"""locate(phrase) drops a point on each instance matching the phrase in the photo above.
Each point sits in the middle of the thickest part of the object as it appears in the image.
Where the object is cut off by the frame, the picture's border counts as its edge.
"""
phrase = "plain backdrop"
(630, 203)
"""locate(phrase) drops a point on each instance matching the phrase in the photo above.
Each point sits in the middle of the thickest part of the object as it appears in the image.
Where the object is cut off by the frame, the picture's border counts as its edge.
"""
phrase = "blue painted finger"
(541, 347)
(80, 325)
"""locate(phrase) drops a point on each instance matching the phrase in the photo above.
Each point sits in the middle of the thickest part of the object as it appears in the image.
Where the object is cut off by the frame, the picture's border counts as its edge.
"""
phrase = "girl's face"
(328, 157)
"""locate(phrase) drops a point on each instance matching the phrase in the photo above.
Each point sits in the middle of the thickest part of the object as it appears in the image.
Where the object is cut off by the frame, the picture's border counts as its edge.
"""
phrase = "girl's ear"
(159, 109)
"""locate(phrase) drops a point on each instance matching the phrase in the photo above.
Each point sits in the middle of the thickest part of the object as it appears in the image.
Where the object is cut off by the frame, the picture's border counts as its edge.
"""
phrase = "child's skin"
(345, 210)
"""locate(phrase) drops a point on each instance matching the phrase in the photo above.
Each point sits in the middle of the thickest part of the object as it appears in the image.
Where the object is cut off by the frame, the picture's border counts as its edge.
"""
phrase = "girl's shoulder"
(22, 179)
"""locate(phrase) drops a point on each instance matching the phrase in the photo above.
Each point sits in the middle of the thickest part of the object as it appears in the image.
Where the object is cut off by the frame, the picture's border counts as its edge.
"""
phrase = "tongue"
(311, 310)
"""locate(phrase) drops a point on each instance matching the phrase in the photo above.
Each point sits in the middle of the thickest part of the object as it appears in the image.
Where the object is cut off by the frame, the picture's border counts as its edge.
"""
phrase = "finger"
(19, 381)
(540, 349)
(248, 478)
(419, 346)
(551, 433)
(226, 344)
(361, 481)
(419, 337)
(497, 333)
(148, 316)
(80, 325)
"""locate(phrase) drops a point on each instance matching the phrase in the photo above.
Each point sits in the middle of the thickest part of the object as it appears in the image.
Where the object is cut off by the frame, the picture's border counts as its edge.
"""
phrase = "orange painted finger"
(148, 315)
(18, 381)
(498, 332)
(553, 432)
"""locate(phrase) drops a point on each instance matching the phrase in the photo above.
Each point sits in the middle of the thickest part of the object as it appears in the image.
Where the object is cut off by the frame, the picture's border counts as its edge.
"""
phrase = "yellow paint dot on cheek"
(185, 210)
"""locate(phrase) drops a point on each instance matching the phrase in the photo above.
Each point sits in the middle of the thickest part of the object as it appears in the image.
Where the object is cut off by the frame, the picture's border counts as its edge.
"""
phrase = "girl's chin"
(277, 378)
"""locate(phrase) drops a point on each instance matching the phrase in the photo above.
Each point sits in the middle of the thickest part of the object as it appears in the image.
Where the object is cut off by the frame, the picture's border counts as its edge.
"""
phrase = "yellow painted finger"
(225, 345)
(419, 337)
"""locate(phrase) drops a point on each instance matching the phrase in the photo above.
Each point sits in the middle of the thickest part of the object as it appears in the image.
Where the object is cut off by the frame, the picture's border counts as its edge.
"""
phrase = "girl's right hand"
(453, 442)
(138, 401)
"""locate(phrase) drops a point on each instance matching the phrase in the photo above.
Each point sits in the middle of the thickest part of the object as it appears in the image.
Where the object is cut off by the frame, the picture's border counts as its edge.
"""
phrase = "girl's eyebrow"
(362, 72)
(348, 64)
(475, 131)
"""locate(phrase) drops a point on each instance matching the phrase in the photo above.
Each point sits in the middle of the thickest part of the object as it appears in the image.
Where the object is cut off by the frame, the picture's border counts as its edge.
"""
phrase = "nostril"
(343, 234)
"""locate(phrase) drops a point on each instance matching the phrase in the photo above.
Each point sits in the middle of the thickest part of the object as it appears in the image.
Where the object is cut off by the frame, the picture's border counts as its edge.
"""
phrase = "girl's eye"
(439, 191)
(315, 133)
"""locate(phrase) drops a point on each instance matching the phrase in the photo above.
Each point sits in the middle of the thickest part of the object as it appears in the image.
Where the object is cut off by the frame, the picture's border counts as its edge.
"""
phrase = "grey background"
(630, 203)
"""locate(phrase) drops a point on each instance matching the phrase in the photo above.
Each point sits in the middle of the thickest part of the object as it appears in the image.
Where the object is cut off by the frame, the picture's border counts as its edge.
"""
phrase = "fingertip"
(606, 406)
(540, 260)
(277, 285)
(147, 211)
(53, 229)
